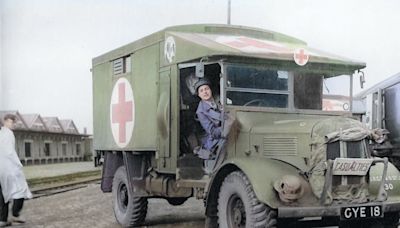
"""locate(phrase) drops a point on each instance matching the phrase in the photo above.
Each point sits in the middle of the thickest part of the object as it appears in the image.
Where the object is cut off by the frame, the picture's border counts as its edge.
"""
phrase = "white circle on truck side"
(122, 112)
(169, 49)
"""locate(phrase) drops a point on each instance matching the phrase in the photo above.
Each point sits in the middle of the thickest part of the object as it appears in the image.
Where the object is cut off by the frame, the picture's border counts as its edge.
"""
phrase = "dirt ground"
(89, 207)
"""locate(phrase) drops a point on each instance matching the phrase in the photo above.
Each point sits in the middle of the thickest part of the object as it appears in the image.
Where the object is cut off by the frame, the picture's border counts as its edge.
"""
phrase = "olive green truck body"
(280, 96)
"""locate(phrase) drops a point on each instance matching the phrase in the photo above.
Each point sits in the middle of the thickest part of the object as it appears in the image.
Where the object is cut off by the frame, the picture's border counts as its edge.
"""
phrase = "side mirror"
(362, 79)
(200, 70)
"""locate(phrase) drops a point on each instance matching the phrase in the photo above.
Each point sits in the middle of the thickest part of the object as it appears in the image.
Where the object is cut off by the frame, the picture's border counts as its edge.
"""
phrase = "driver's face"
(205, 92)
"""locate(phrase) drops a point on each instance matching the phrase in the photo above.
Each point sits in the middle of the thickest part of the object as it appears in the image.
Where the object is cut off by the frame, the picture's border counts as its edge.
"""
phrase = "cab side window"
(256, 86)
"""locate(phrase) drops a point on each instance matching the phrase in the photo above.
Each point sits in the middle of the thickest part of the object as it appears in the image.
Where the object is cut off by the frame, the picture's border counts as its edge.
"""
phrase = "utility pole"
(229, 12)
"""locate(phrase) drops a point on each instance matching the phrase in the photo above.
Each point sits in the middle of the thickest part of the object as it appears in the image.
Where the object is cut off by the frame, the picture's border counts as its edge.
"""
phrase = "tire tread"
(261, 215)
(137, 206)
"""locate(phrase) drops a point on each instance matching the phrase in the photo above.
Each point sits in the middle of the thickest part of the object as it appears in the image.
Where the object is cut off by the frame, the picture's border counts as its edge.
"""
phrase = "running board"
(190, 183)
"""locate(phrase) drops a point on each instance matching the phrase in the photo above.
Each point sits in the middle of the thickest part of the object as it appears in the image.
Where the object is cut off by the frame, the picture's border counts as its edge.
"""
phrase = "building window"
(47, 149)
(122, 65)
(78, 149)
(28, 149)
(64, 149)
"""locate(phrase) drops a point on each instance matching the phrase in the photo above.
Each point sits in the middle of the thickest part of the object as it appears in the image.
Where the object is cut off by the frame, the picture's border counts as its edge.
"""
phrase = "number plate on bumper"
(361, 212)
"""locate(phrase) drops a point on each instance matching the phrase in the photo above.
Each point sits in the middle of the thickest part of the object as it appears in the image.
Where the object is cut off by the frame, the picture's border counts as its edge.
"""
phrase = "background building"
(45, 140)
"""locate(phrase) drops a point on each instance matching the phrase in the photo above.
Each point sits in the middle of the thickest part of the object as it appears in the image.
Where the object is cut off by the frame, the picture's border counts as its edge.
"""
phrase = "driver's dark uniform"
(209, 115)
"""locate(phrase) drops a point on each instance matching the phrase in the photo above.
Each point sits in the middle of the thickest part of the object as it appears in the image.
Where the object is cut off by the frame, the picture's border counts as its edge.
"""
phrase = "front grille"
(333, 150)
(354, 179)
(355, 150)
(350, 150)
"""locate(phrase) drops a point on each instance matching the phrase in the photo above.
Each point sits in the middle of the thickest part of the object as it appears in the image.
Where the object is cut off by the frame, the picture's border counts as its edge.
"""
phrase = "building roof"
(30, 118)
(53, 124)
(35, 122)
(69, 126)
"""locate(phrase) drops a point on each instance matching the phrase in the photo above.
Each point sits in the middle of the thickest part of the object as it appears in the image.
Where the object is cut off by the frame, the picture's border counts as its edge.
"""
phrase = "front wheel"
(129, 211)
(238, 206)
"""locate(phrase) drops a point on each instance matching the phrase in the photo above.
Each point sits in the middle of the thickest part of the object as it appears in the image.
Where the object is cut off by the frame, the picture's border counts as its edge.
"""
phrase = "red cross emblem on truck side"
(122, 112)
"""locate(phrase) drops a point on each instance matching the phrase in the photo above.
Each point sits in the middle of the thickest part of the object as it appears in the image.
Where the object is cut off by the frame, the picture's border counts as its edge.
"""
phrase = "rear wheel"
(238, 206)
(129, 211)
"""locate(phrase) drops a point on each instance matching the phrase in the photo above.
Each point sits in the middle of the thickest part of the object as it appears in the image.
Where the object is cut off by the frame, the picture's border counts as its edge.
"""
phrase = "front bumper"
(331, 211)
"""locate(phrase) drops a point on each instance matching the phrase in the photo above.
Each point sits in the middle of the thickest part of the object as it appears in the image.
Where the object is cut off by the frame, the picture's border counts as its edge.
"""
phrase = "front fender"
(262, 173)
(392, 185)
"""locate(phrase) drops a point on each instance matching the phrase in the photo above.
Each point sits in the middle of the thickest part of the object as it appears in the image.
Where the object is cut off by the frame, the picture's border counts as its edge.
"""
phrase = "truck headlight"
(289, 188)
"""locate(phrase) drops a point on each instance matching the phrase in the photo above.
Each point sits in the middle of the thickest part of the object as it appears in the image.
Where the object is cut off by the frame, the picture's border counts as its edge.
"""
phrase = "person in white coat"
(13, 185)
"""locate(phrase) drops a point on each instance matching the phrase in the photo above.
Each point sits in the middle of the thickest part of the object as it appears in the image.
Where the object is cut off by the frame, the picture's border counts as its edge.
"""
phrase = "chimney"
(85, 131)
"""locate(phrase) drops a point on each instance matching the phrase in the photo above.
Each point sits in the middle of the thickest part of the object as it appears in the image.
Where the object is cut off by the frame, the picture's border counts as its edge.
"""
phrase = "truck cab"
(291, 148)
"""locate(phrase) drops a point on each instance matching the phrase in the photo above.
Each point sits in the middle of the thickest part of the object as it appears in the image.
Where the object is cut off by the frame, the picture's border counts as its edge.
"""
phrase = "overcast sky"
(47, 45)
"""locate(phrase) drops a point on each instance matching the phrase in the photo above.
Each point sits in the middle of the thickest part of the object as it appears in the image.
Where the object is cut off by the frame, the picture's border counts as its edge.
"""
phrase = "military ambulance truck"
(289, 151)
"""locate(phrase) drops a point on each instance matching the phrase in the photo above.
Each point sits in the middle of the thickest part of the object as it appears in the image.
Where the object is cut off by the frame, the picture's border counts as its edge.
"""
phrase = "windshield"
(336, 93)
(248, 85)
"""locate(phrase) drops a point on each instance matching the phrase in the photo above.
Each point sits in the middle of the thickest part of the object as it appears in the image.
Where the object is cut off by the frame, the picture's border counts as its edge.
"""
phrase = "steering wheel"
(259, 101)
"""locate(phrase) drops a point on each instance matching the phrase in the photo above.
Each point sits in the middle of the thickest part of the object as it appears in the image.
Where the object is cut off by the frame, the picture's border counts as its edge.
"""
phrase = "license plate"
(361, 212)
